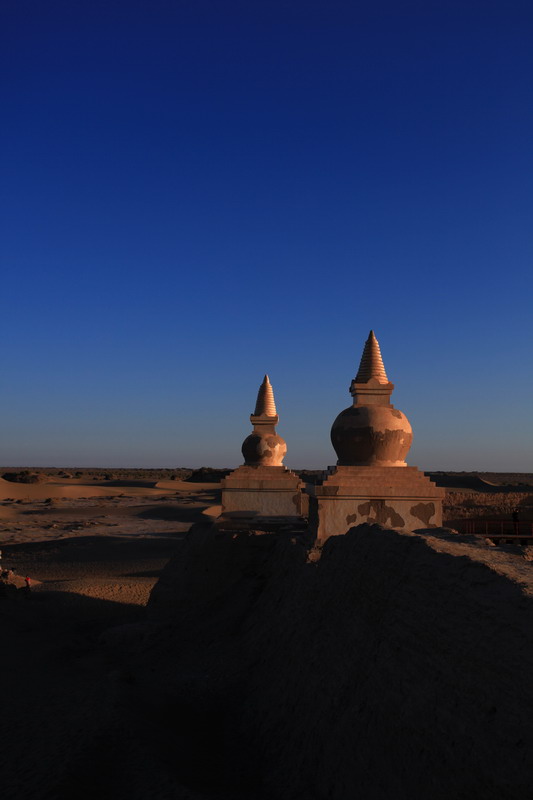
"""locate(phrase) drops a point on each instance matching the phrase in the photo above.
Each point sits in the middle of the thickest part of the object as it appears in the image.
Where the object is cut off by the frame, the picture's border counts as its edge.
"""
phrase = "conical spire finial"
(265, 405)
(264, 448)
(371, 365)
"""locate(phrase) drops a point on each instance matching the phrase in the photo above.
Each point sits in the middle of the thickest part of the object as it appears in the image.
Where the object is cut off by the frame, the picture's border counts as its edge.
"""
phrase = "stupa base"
(267, 491)
(399, 497)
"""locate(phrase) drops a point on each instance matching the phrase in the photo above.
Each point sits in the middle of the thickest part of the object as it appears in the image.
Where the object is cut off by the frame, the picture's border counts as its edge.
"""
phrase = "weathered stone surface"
(271, 491)
(371, 435)
(399, 497)
(264, 447)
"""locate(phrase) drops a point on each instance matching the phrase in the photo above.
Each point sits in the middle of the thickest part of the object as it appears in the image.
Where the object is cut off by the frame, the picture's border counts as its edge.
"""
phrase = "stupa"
(262, 485)
(372, 482)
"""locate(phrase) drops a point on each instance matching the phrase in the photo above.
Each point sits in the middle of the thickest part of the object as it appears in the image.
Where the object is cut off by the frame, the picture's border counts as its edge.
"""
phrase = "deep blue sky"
(195, 193)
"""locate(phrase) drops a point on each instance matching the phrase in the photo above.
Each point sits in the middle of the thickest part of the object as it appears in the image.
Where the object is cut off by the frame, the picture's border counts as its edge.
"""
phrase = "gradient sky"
(195, 193)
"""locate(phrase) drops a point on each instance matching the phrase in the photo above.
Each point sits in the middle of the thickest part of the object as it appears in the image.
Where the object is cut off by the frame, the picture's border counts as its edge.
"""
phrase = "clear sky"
(195, 193)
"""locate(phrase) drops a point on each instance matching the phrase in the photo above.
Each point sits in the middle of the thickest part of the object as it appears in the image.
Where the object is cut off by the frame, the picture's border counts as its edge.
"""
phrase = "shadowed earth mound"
(387, 665)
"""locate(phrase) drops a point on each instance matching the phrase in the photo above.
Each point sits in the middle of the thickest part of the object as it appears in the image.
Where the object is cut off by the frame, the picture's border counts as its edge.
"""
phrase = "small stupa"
(372, 482)
(262, 485)
(264, 447)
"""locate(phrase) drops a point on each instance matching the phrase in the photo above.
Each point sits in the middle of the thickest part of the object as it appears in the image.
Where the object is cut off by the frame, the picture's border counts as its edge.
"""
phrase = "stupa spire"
(262, 486)
(265, 405)
(264, 447)
(371, 365)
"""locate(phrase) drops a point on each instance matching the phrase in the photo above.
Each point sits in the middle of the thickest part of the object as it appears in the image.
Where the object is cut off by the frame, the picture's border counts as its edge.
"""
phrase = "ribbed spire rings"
(265, 405)
(371, 365)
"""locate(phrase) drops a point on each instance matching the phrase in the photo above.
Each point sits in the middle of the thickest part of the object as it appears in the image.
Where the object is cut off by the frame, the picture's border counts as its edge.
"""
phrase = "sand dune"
(186, 486)
(475, 483)
(76, 489)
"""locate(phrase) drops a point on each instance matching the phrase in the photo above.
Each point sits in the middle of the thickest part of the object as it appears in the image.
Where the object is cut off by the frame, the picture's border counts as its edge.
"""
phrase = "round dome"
(265, 449)
(371, 434)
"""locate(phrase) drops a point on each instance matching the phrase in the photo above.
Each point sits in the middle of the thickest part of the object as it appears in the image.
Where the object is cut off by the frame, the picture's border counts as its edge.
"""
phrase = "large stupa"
(262, 485)
(372, 482)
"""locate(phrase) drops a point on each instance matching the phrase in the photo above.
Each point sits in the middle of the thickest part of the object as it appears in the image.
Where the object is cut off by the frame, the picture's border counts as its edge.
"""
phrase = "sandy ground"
(93, 558)
(106, 546)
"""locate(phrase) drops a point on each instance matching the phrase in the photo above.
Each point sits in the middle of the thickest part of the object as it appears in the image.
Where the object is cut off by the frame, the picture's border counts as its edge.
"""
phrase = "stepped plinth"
(372, 482)
(262, 485)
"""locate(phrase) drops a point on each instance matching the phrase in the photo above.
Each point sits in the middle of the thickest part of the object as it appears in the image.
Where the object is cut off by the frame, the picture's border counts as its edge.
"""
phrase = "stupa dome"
(264, 447)
(371, 431)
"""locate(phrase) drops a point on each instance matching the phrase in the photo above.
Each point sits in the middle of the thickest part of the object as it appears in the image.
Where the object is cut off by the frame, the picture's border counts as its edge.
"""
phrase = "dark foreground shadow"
(386, 668)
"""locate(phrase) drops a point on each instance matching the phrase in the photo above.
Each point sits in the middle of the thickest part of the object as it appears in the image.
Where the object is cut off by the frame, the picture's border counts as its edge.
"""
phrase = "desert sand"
(155, 658)
(93, 554)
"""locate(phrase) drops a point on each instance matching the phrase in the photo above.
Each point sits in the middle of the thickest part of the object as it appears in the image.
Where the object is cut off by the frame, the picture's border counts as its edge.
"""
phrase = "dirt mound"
(25, 476)
(388, 665)
(207, 475)
(42, 491)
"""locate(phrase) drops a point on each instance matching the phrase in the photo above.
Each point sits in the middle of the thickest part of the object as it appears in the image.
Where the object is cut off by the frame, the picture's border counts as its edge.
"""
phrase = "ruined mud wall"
(389, 665)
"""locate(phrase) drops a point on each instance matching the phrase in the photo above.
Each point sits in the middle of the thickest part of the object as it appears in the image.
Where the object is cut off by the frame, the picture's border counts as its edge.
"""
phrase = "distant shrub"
(469, 502)
(24, 476)
(208, 475)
